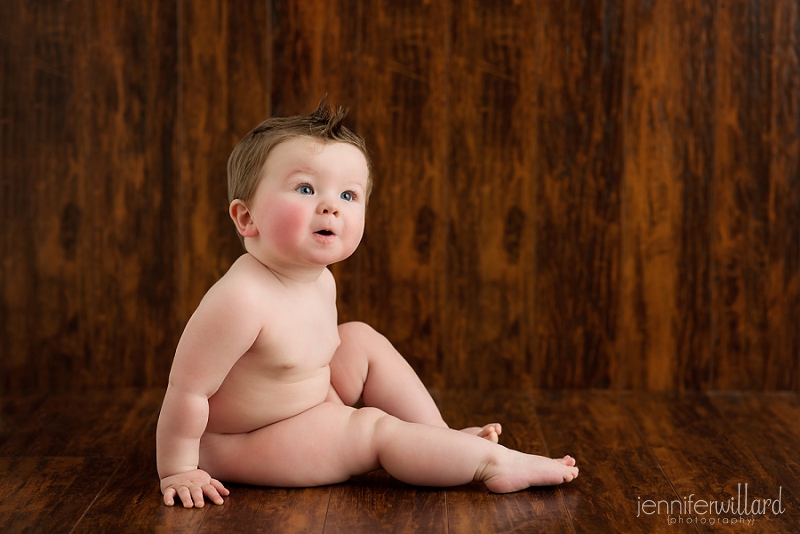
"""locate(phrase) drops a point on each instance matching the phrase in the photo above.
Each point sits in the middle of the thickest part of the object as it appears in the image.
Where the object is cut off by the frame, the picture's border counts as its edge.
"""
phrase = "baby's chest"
(298, 339)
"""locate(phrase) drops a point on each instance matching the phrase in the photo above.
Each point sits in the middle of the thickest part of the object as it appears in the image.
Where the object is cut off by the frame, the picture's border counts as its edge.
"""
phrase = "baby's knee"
(364, 339)
(372, 423)
(356, 331)
(367, 418)
(365, 424)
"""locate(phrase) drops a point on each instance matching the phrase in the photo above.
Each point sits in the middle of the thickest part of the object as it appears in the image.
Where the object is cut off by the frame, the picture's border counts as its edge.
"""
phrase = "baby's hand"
(190, 488)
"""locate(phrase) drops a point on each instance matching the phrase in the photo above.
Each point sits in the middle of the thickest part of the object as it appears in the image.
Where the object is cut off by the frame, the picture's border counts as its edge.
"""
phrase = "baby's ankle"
(492, 464)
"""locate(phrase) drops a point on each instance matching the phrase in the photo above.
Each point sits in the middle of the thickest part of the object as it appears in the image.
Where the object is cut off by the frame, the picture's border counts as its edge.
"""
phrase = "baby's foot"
(489, 432)
(517, 471)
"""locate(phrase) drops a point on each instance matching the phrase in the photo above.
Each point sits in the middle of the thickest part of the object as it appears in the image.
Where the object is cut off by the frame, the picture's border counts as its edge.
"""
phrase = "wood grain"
(377, 502)
(85, 462)
(490, 178)
(97, 138)
(100, 423)
(42, 305)
(314, 51)
(472, 508)
(254, 509)
(39, 494)
(126, 166)
(668, 181)
(402, 113)
(769, 424)
(592, 194)
(617, 469)
(783, 305)
(579, 80)
(702, 454)
(756, 276)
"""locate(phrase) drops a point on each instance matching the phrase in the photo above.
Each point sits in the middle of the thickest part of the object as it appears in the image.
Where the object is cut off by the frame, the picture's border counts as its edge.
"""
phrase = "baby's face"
(310, 204)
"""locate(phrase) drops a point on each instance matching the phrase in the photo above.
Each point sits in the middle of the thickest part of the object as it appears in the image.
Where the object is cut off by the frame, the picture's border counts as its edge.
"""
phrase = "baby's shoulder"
(241, 286)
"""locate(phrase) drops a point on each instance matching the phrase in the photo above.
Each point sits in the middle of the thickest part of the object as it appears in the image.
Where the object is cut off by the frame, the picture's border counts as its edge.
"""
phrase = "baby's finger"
(197, 495)
(212, 494)
(169, 496)
(185, 496)
(220, 488)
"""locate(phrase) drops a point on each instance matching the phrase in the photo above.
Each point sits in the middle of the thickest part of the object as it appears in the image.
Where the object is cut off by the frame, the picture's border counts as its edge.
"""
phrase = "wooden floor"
(86, 463)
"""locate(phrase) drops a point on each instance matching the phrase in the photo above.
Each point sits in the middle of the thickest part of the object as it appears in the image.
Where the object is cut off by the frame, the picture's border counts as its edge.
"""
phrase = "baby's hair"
(248, 157)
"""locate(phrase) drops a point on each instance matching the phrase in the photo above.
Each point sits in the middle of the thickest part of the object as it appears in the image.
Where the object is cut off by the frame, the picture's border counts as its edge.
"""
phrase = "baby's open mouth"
(324, 232)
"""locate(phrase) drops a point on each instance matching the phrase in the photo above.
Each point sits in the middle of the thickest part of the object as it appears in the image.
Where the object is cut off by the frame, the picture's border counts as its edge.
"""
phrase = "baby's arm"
(222, 329)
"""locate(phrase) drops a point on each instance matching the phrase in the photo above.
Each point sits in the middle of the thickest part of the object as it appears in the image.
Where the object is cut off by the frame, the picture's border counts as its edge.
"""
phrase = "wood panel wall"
(601, 193)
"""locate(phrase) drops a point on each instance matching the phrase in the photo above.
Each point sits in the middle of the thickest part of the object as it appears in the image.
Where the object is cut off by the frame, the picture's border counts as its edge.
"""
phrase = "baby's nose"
(328, 207)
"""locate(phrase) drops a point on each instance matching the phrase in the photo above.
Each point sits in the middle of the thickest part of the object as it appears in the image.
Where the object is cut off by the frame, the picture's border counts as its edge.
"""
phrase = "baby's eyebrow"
(300, 170)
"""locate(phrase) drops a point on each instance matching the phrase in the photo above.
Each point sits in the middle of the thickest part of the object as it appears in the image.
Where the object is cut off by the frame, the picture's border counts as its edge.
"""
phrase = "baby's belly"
(250, 402)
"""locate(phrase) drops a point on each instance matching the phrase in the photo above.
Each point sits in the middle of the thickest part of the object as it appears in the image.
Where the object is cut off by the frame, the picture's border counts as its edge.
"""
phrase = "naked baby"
(264, 378)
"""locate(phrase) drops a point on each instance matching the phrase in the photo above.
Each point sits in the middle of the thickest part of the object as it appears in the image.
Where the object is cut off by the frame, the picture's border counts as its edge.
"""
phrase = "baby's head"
(246, 163)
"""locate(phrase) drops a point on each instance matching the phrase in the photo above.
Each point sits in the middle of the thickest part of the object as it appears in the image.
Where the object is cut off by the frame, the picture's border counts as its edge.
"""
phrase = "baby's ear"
(242, 219)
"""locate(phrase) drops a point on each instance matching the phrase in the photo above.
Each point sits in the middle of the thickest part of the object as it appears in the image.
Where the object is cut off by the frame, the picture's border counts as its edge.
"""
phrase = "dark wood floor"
(86, 463)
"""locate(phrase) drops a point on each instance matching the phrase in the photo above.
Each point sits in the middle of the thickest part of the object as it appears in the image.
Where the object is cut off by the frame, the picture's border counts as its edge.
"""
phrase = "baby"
(264, 379)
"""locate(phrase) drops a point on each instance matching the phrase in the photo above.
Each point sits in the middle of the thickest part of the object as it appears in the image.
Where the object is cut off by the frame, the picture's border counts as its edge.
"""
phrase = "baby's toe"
(572, 474)
(489, 434)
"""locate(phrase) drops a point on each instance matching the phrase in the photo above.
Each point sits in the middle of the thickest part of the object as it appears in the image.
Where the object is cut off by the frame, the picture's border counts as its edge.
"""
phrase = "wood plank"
(131, 500)
(315, 50)
(224, 94)
(40, 494)
(42, 312)
(706, 445)
(98, 424)
(769, 424)
(667, 183)
(472, 508)
(489, 195)
(402, 115)
(126, 170)
(618, 471)
(377, 502)
(579, 147)
(256, 509)
(92, 159)
(783, 361)
(756, 276)
(702, 455)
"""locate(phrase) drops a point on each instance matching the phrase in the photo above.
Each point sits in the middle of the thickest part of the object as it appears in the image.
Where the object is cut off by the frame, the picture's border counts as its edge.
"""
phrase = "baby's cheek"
(288, 225)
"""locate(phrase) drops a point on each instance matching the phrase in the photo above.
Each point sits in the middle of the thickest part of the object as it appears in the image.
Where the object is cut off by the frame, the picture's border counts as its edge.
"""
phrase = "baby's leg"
(433, 456)
(367, 365)
(331, 442)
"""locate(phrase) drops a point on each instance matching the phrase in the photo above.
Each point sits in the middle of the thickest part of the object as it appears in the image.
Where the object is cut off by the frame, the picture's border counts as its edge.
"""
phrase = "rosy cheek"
(287, 225)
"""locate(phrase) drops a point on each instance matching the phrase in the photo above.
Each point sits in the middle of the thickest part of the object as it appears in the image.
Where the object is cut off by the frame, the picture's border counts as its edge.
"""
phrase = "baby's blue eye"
(348, 196)
(305, 189)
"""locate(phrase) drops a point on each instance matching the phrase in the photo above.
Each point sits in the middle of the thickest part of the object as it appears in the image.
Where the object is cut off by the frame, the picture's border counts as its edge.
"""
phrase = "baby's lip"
(325, 231)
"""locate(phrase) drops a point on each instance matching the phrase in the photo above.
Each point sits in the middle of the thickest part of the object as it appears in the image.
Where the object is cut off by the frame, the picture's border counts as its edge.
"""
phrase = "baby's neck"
(291, 275)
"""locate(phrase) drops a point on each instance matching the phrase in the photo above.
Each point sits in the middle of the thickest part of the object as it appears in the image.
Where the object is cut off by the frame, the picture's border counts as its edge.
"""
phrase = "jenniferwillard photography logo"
(743, 509)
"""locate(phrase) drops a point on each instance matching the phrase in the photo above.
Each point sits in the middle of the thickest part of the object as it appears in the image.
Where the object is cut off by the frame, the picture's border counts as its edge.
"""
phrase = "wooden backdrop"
(600, 193)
